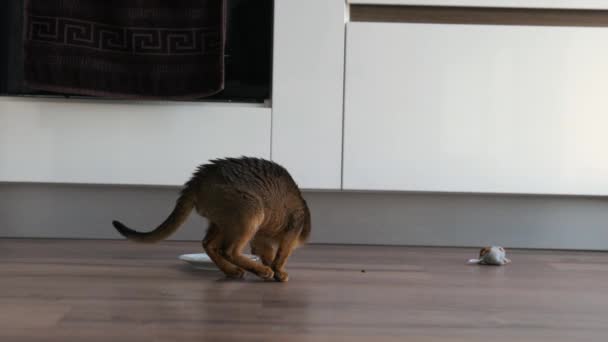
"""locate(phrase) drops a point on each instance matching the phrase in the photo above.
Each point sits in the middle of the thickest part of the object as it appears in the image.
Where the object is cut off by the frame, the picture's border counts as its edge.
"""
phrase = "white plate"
(204, 262)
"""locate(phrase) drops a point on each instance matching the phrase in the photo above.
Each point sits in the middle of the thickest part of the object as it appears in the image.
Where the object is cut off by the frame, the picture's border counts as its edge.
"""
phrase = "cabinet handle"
(478, 15)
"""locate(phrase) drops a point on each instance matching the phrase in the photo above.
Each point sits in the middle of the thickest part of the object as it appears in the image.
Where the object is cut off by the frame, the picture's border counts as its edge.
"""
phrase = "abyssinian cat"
(247, 201)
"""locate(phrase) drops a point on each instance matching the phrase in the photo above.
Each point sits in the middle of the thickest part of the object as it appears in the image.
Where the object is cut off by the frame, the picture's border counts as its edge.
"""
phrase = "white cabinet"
(123, 142)
(476, 108)
(307, 90)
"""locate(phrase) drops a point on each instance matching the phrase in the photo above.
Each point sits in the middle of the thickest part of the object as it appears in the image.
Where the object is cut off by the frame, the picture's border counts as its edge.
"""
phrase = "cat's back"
(246, 172)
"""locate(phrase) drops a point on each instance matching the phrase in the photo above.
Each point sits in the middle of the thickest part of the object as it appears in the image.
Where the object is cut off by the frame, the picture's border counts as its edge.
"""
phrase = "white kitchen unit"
(308, 90)
(374, 106)
(118, 142)
(152, 143)
(476, 108)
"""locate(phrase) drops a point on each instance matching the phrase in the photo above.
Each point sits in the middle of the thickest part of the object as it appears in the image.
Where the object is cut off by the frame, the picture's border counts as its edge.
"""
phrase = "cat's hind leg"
(238, 235)
(287, 245)
(212, 244)
(264, 248)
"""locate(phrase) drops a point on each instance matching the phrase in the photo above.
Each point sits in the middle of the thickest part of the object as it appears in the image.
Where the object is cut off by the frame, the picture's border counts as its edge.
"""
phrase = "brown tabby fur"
(247, 201)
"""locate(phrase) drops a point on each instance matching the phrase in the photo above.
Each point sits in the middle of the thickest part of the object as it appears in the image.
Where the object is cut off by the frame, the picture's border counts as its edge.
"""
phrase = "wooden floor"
(115, 291)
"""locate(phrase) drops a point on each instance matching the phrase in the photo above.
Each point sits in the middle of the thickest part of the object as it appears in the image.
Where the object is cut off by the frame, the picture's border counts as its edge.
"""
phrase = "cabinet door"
(123, 142)
(307, 90)
(476, 108)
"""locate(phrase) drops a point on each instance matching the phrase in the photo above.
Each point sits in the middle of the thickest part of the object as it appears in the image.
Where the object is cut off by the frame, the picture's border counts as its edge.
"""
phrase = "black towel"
(126, 48)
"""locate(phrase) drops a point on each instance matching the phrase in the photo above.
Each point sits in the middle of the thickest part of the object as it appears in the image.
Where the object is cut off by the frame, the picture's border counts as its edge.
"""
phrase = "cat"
(247, 201)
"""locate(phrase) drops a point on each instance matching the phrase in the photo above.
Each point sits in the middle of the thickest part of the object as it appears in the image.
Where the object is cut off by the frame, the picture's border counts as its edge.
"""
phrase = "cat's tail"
(183, 207)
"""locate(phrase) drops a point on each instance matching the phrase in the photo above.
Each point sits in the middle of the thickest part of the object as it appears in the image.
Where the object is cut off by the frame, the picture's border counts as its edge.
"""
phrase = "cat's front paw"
(281, 276)
(266, 274)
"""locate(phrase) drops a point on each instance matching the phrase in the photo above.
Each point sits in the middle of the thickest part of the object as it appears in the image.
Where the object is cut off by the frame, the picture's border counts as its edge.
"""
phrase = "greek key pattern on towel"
(135, 40)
